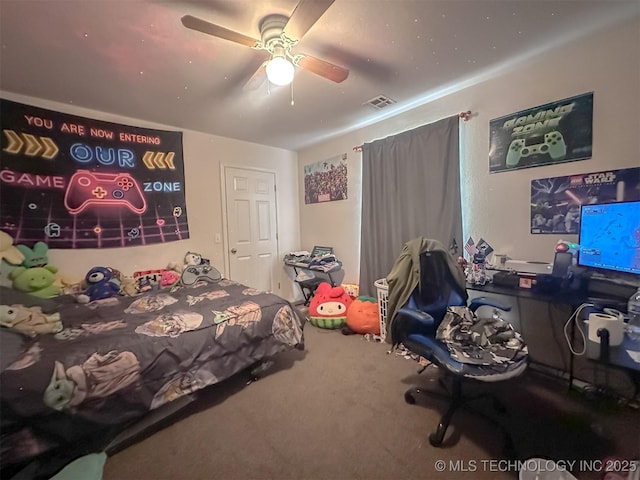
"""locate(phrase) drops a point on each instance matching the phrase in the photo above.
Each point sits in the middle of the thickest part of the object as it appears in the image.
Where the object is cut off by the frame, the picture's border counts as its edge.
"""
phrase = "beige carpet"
(337, 411)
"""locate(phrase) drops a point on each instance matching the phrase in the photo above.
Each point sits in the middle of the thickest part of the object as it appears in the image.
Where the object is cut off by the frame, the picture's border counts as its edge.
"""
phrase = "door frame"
(225, 227)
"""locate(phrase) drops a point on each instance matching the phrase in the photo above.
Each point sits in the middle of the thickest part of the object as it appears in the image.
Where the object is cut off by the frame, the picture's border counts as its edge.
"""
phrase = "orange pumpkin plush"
(328, 308)
(362, 316)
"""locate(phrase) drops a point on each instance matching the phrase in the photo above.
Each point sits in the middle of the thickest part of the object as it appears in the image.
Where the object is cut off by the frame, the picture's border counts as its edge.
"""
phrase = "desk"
(619, 355)
(569, 301)
(308, 287)
(565, 297)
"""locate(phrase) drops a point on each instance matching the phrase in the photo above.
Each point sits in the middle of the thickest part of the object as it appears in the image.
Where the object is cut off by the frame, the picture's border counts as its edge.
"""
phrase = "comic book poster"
(557, 132)
(556, 201)
(75, 182)
(326, 181)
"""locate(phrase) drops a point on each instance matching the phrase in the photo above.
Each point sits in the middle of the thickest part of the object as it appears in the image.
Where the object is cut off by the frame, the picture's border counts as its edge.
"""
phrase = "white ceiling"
(134, 58)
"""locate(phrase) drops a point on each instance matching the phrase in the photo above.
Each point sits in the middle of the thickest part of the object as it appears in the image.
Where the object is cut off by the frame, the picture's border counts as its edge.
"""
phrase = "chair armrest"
(409, 321)
(484, 301)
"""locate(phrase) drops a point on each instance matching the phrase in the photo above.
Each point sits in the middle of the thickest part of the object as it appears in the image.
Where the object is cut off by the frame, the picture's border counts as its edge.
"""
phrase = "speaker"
(561, 263)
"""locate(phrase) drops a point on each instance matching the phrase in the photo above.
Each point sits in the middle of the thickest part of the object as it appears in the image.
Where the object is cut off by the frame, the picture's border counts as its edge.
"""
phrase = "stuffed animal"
(30, 321)
(10, 257)
(362, 316)
(328, 308)
(168, 278)
(192, 258)
(101, 284)
(8, 252)
(36, 256)
(38, 281)
(70, 285)
(128, 287)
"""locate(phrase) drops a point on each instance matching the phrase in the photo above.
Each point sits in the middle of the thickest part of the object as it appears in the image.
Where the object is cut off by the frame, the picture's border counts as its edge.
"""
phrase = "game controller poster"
(557, 132)
(76, 182)
(556, 201)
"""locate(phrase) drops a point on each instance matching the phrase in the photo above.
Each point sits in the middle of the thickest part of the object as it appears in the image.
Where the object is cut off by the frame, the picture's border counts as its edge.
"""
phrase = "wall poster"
(557, 132)
(326, 181)
(555, 202)
(75, 182)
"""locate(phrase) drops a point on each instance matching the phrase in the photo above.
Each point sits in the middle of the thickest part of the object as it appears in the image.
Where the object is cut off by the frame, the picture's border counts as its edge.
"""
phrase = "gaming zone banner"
(556, 201)
(553, 133)
(74, 182)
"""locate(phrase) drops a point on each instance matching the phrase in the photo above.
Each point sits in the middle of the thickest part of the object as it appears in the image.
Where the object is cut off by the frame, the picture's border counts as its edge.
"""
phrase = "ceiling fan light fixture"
(280, 71)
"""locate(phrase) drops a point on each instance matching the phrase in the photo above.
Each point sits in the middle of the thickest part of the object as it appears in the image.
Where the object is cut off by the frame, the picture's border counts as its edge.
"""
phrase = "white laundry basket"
(383, 299)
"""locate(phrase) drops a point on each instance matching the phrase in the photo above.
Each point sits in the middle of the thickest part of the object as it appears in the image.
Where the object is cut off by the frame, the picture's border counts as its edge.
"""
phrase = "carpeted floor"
(337, 411)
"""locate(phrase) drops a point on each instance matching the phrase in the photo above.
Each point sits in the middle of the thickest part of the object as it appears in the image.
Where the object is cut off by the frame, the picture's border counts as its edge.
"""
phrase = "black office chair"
(415, 326)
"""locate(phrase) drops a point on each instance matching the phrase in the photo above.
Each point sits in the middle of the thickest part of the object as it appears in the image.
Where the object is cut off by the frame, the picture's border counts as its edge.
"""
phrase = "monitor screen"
(610, 236)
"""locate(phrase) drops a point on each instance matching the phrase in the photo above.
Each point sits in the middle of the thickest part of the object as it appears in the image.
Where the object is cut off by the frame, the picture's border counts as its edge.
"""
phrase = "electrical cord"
(552, 322)
(574, 317)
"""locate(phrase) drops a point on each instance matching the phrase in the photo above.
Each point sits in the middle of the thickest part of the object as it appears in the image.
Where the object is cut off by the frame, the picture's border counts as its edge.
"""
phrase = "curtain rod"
(463, 115)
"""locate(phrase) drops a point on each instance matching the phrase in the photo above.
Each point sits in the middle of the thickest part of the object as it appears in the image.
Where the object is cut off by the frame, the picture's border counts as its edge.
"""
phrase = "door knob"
(233, 250)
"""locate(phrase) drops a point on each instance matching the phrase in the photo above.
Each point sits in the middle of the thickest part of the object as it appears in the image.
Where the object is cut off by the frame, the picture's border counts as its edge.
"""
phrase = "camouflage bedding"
(119, 358)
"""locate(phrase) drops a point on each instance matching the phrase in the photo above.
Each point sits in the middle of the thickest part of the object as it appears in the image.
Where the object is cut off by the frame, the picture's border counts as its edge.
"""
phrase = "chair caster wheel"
(435, 440)
(409, 398)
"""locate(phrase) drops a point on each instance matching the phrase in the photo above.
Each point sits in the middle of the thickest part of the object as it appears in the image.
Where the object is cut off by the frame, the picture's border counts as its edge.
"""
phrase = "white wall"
(496, 206)
(203, 154)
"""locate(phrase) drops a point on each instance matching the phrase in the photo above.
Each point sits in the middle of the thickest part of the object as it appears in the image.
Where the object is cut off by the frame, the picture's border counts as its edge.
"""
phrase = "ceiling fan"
(278, 35)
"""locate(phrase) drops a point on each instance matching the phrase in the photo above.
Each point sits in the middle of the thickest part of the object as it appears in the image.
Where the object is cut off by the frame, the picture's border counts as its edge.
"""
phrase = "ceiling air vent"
(380, 102)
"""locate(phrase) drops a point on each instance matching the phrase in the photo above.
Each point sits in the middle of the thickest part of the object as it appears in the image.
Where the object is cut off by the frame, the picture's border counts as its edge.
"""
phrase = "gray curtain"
(410, 188)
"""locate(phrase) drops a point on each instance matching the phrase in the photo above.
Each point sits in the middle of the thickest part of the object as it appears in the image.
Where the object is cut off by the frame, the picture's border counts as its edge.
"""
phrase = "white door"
(252, 246)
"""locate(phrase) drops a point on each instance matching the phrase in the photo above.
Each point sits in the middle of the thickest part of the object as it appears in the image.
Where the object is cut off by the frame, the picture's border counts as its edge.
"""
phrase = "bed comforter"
(115, 360)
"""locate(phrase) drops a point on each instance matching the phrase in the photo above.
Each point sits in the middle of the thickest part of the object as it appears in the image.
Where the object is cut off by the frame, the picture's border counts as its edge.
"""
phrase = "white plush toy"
(10, 258)
(8, 252)
(192, 258)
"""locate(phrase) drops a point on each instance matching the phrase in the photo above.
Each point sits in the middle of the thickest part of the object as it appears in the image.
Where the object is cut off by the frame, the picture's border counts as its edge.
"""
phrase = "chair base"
(457, 400)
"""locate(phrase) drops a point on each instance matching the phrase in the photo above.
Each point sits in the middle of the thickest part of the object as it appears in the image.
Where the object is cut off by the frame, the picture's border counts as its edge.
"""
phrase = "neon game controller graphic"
(553, 145)
(88, 189)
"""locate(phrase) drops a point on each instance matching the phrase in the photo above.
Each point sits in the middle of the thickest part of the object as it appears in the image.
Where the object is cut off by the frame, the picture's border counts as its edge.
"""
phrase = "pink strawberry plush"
(328, 307)
(168, 278)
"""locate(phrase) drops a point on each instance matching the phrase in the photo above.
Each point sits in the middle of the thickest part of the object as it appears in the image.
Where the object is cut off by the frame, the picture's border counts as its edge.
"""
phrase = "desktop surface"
(618, 355)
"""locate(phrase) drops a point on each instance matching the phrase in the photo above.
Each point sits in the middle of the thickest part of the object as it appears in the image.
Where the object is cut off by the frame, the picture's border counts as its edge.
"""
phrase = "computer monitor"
(610, 236)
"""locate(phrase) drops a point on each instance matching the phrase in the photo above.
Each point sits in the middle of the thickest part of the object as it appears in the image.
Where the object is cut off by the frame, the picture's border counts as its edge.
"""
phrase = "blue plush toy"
(100, 284)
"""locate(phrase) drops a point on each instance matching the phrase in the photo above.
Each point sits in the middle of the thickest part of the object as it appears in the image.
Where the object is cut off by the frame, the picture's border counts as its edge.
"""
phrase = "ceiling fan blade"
(324, 69)
(306, 13)
(257, 78)
(195, 23)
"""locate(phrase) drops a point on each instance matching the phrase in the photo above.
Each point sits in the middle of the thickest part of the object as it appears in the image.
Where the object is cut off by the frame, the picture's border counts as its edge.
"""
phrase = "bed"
(113, 361)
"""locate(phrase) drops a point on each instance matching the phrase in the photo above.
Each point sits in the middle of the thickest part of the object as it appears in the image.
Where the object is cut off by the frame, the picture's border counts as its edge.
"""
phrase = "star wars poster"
(557, 132)
(75, 182)
(556, 201)
(326, 181)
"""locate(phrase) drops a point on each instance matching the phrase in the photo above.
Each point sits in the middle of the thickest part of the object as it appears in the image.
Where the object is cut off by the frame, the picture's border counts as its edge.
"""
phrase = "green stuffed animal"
(37, 281)
(36, 256)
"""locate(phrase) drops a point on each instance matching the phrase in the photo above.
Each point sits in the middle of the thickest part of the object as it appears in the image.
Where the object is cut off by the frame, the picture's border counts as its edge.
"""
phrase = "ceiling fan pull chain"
(292, 101)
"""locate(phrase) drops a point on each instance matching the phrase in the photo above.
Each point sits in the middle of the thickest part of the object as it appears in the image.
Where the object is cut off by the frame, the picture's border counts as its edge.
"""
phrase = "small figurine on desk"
(476, 273)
